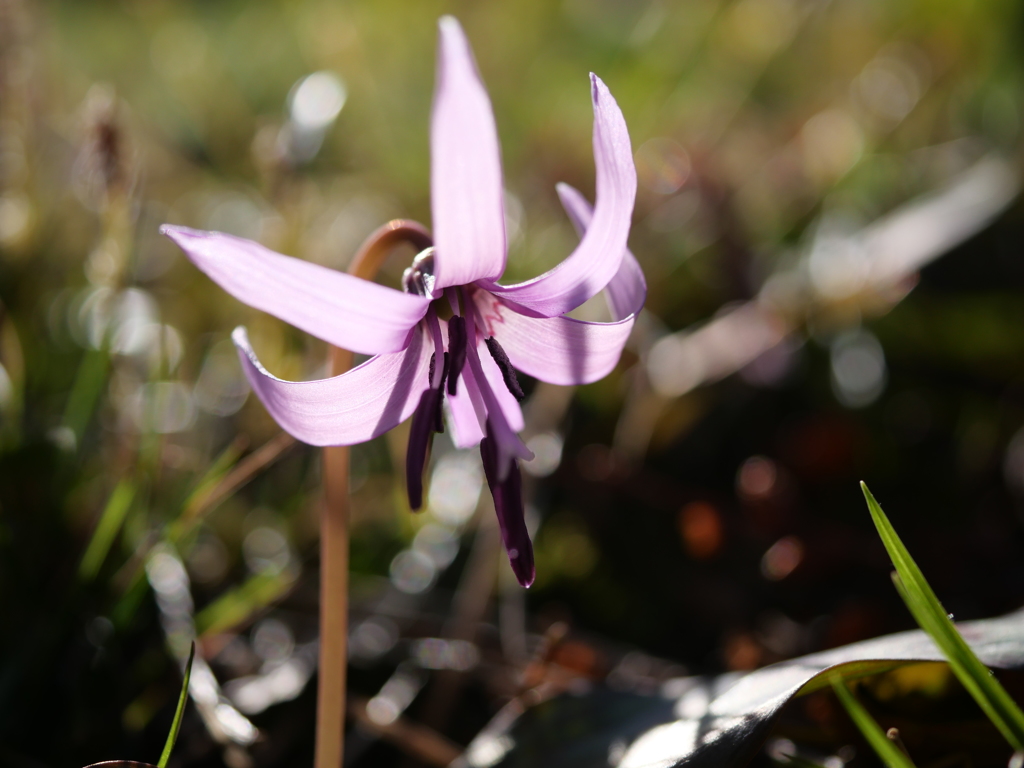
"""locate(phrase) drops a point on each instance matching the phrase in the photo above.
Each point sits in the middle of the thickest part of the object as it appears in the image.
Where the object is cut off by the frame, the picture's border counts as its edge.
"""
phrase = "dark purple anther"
(457, 350)
(439, 411)
(508, 373)
(419, 440)
(427, 419)
(508, 505)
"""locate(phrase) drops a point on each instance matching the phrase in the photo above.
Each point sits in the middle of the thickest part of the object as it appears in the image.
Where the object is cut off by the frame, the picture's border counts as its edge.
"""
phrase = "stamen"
(439, 413)
(457, 349)
(427, 419)
(453, 300)
(423, 422)
(508, 506)
(436, 377)
(508, 373)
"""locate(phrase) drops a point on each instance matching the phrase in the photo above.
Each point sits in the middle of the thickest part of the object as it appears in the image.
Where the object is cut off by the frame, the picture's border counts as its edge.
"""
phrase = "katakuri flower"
(469, 361)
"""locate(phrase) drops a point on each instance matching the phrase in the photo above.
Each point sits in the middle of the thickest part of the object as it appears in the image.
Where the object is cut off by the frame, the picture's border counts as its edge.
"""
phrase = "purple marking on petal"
(420, 434)
(351, 408)
(467, 198)
(508, 506)
(457, 348)
(596, 259)
(341, 309)
(508, 373)
(627, 290)
(558, 350)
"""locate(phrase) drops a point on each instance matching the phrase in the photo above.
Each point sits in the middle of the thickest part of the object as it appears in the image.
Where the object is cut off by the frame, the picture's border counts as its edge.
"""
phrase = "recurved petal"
(502, 421)
(628, 289)
(558, 350)
(467, 414)
(597, 258)
(343, 310)
(465, 169)
(467, 409)
(350, 408)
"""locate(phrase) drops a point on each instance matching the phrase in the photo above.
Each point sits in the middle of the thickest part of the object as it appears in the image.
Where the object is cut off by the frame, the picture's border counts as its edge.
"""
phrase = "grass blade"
(239, 604)
(214, 475)
(86, 392)
(182, 700)
(106, 529)
(890, 754)
(225, 478)
(929, 613)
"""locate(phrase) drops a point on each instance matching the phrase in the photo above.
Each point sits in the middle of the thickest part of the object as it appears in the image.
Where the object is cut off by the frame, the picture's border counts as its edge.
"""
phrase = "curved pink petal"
(597, 258)
(467, 414)
(467, 409)
(465, 169)
(350, 408)
(558, 350)
(628, 289)
(509, 445)
(343, 310)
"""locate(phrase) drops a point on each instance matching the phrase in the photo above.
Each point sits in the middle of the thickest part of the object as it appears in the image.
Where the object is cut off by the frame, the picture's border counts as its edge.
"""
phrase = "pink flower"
(494, 329)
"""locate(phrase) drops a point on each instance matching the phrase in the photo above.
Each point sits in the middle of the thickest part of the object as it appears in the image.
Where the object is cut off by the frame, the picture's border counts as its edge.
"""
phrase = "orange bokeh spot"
(700, 525)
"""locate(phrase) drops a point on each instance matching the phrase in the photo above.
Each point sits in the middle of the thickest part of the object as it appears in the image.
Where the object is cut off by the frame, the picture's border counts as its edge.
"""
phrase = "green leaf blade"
(172, 737)
(933, 619)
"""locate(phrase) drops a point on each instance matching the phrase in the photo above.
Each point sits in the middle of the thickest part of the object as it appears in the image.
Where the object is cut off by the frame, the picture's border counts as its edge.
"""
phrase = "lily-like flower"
(469, 361)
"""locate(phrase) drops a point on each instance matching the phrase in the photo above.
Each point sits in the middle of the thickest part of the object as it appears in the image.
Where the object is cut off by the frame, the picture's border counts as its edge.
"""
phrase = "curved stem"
(330, 709)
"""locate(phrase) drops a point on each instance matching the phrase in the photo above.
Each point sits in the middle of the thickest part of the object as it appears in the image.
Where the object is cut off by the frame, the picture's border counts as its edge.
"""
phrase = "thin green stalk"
(106, 530)
(890, 754)
(179, 712)
(86, 391)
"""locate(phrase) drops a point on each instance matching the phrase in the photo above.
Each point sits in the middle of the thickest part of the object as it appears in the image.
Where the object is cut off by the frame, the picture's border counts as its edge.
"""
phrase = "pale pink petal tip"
(597, 258)
(467, 197)
(341, 309)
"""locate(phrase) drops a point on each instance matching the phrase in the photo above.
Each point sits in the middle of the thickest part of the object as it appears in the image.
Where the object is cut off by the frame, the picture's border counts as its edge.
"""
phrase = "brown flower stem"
(330, 717)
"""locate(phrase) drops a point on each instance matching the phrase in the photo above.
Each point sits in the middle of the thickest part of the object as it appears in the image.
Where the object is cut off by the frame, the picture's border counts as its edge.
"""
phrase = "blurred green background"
(828, 221)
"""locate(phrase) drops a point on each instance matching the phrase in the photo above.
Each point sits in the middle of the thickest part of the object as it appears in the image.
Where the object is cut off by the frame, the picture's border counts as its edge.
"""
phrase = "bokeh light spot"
(700, 525)
(782, 558)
